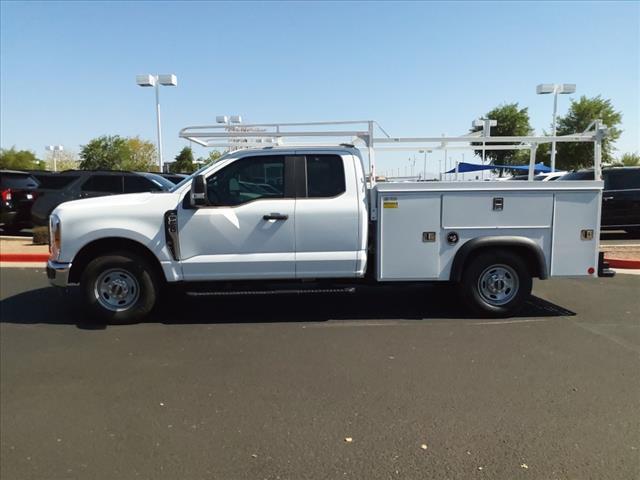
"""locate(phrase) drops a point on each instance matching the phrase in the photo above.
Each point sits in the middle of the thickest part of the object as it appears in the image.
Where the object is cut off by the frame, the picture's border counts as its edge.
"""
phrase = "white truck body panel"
(572, 212)
(550, 214)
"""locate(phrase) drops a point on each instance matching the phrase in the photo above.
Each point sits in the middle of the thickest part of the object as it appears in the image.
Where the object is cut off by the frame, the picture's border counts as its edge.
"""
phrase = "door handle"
(607, 198)
(275, 216)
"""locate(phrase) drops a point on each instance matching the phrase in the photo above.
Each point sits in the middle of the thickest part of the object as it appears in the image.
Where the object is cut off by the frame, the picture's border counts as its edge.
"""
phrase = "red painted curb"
(24, 257)
(618, 263)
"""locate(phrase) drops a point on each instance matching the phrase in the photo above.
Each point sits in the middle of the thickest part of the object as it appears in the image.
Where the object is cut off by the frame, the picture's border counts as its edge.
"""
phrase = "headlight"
(54, 237)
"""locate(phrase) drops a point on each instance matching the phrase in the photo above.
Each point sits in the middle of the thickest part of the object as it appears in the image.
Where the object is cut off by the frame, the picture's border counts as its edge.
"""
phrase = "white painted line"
(507, 322)
(626, 271)
(618, 245)
(41, 265)
(613, 338)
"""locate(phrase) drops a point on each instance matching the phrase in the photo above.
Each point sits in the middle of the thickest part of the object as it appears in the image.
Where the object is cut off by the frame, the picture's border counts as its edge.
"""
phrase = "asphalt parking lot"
(272, 387)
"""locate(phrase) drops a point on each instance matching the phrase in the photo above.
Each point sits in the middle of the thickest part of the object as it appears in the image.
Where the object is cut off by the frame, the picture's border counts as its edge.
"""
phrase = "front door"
(246, 231)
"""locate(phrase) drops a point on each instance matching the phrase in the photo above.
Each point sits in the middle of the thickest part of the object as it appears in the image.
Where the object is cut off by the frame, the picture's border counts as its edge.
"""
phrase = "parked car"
(620, 199)
(174, 178)
(76, 184)
(18, 190)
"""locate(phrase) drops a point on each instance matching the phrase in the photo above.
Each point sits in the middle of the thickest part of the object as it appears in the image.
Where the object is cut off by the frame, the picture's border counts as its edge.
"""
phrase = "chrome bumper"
(58, 273)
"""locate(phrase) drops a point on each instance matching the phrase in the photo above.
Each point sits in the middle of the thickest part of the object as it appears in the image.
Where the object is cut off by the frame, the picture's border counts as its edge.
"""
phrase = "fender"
(533, 249)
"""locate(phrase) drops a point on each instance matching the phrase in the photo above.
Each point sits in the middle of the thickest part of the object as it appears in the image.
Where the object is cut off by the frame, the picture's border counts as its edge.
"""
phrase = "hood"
(135, 200)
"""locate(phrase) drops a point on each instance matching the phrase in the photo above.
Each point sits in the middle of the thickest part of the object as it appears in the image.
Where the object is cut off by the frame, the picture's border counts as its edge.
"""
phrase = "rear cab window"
(325, 176)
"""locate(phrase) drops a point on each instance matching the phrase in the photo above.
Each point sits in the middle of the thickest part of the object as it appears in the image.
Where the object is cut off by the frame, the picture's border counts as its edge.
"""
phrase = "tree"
(65, 160)
(628, 160)
(108, 152)
(183, 162)
(12, 159)
(142, 156)
(574, 155)
(512, 121)
(213, 156)
(112, 152)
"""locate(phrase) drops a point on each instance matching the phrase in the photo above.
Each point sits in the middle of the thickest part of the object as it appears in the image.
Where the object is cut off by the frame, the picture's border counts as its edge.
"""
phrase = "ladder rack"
(360, 133)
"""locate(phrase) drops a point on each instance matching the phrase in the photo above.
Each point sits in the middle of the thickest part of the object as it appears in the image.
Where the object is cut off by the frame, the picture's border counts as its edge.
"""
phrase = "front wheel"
(496, 283)
(119, 288)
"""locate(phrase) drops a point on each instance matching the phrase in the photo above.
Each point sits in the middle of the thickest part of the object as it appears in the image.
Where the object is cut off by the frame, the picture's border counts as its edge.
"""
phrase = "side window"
(136, 184)
(57, 181)
(246, 180)
(325, 176)
(622, 179)
(103, 183)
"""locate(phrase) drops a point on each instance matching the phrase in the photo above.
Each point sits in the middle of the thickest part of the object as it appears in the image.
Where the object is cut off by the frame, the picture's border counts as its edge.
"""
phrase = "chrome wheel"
(498, 284)
(116, 289)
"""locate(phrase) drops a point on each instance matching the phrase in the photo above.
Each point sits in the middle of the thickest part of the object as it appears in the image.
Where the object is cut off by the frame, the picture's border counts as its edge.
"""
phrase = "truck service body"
(309, 216)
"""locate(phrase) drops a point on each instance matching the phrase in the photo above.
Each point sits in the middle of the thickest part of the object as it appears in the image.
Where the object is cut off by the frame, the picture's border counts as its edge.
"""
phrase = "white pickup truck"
(300, 218)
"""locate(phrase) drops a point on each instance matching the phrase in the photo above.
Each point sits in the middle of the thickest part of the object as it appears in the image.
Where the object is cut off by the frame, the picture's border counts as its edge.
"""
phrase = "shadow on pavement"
(53, 306)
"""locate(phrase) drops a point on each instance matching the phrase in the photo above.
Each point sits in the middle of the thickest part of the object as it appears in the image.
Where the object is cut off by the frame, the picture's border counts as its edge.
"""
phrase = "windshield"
(199, 171)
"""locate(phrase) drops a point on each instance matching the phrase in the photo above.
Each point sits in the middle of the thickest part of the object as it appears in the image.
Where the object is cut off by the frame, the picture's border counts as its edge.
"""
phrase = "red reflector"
(591, 270)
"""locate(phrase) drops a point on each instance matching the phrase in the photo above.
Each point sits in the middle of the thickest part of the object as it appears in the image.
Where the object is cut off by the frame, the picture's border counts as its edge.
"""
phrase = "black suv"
(18, 192)
(76, 184)
(620, 199)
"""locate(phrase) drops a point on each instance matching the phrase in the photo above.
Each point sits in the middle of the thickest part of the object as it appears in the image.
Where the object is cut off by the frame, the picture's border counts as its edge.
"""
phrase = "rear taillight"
(6, 195)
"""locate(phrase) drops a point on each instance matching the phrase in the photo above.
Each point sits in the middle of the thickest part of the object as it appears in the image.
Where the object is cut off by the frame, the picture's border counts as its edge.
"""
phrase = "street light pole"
(53, 149)
(555, 88)
(168, 80)
(160, 157)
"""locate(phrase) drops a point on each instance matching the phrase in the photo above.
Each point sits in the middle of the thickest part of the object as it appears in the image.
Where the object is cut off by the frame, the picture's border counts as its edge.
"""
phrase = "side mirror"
(198, 195)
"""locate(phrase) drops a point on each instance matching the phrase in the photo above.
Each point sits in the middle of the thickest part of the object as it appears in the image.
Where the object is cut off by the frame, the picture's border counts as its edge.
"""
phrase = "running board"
(222, 293)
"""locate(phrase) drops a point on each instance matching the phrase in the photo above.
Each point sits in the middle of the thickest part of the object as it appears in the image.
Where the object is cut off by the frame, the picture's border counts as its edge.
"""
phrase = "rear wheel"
(496, 283)
(119, 288)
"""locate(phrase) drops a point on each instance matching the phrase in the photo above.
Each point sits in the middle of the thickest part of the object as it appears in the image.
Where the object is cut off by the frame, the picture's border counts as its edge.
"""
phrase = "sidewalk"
(622, 256)
(21, 249)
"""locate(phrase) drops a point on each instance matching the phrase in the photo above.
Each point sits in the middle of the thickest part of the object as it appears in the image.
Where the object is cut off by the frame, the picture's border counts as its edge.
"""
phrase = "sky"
(67, 69)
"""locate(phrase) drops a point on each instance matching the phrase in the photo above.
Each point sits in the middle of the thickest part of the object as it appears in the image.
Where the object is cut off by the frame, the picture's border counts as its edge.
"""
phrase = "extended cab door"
(328, 232)
(247, 229)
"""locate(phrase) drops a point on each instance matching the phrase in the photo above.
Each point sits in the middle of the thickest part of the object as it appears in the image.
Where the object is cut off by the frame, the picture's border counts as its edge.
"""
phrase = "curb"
(24, 257)
(618, 263)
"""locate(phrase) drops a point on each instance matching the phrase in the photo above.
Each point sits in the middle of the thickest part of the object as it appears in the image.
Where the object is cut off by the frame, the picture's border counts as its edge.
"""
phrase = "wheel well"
(111, 245)
(532, 256)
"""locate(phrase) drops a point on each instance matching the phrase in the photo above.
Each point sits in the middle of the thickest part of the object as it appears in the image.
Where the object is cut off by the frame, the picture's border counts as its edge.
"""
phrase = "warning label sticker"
(389, 202)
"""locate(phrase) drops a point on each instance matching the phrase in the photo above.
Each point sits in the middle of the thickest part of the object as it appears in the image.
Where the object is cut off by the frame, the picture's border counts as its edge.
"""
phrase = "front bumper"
(58, 273)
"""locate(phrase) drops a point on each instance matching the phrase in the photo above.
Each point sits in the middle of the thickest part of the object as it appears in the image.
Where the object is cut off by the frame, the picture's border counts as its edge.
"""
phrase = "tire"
(119, 288)
(496, 283)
